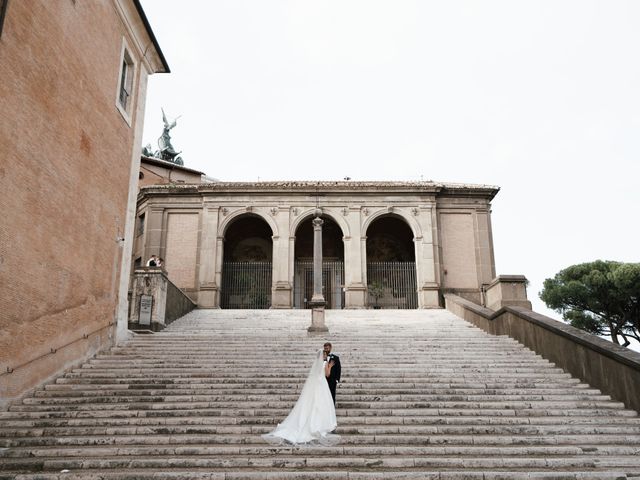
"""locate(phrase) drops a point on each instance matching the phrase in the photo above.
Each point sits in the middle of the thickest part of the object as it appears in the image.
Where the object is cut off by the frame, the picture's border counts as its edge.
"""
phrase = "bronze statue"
(166, 151)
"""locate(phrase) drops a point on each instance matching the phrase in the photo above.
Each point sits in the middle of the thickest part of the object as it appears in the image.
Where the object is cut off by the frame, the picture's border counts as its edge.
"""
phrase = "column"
(317, 300)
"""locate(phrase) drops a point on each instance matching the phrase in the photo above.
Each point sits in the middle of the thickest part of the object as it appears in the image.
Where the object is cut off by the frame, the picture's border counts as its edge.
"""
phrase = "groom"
(334, 376)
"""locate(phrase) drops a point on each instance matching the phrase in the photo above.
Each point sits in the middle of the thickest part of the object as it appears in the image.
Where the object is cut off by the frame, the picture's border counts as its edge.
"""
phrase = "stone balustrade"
(155, 300)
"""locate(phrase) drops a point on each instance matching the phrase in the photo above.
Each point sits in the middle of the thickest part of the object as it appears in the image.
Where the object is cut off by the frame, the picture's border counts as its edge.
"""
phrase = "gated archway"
(332, 264)
(391, 264)
(247, 264)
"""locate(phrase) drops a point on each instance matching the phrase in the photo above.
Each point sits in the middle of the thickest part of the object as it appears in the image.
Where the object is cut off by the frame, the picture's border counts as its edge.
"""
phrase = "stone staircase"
(425, 395)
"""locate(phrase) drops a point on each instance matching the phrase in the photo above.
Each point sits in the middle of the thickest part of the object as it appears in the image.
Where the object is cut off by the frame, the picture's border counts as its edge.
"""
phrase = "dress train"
(313, 416)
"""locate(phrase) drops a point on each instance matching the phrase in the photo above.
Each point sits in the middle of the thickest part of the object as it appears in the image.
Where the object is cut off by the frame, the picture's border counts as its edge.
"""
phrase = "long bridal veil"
(313, 416)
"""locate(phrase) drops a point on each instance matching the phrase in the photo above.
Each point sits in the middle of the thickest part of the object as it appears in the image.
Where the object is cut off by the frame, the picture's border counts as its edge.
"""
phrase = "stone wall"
(613, 369)
(65, 174)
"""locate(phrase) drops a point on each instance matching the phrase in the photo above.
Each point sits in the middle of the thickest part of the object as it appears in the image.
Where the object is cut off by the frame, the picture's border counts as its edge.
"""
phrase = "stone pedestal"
(507, 290)
(429, 296)
(281, 295)
(355, 297)
(317, 321)
(208, 296)
(149, 293)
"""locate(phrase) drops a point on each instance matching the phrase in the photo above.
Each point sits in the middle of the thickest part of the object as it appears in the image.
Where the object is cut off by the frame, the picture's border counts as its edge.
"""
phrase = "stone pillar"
(208, 288)
(425, 249)
(281, 290)
(155, 227)
(354, 265)
(507, 290)
(218, 269)
(485, 264)
(317, 300)
(149, 299)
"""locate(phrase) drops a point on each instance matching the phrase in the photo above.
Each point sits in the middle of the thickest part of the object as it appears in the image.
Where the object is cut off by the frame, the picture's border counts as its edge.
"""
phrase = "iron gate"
(332, 284)
(246, 285)
(392, 285)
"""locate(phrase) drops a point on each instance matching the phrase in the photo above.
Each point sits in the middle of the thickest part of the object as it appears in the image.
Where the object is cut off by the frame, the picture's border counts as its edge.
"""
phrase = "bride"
(313, 416)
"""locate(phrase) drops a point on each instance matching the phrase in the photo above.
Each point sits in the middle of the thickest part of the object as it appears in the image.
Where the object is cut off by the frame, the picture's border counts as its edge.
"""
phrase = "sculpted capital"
(317, 223)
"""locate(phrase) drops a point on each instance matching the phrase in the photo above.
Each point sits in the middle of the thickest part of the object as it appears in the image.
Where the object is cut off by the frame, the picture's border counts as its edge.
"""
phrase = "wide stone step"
(563, 385)
(262, 450)
(346, 439)
(279, 413)
(345, 397)
(352, 430)
(315, 462)
(42, 404)
(365, 415)
(273, 377)
(558, 466)
(563, 381)
(22, 422)
(45, 397)
(333, 474)
(84, 388)
(417, 368)
(300, 369)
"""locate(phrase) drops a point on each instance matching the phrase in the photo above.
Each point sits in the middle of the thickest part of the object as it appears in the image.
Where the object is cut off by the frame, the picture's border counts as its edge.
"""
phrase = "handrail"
(85, 336)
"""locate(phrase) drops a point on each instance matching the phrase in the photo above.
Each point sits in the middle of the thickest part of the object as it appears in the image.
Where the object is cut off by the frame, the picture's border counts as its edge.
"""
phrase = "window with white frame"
(125, 90)
(126, 81)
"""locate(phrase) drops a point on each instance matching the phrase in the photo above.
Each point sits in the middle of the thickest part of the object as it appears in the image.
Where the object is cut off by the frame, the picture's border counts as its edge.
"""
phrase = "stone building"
(73, 83)
(385, 244)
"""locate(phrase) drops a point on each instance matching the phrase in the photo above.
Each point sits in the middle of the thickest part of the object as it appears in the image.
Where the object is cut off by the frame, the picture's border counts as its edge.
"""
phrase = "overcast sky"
(541, 98)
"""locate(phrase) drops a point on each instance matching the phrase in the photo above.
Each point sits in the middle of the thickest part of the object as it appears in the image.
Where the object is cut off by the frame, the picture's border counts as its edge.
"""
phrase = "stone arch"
(391, 266)
(339, 220)
(235, 215)
(410, 221)
(247, 261)
(390, 238)
(334, 233)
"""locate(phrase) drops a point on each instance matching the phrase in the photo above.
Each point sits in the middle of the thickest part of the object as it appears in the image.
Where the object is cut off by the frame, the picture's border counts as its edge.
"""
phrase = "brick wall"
(458, 250)
(182, 248)
(65, 161)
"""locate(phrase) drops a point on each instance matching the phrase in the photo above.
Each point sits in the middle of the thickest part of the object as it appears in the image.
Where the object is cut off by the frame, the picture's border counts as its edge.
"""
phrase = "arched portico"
(310, 213)
(247, 262)
(395, 213)
(332, 264)
(243, 213)
(391, 262)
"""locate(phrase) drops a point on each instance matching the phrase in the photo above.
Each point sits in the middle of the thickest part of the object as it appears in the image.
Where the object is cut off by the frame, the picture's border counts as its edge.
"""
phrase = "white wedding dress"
(313, 416)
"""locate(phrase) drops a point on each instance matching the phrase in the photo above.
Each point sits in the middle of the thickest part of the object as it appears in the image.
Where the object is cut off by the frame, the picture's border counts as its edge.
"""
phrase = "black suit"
(334, 376)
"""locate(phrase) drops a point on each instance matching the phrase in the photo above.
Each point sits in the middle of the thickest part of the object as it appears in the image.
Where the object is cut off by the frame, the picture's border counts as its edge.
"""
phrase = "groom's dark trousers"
(334, 377)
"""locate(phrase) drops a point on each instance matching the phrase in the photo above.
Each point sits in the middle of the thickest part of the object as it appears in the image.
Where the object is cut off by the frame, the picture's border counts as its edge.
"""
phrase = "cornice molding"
(144, 41)
(341, 187)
